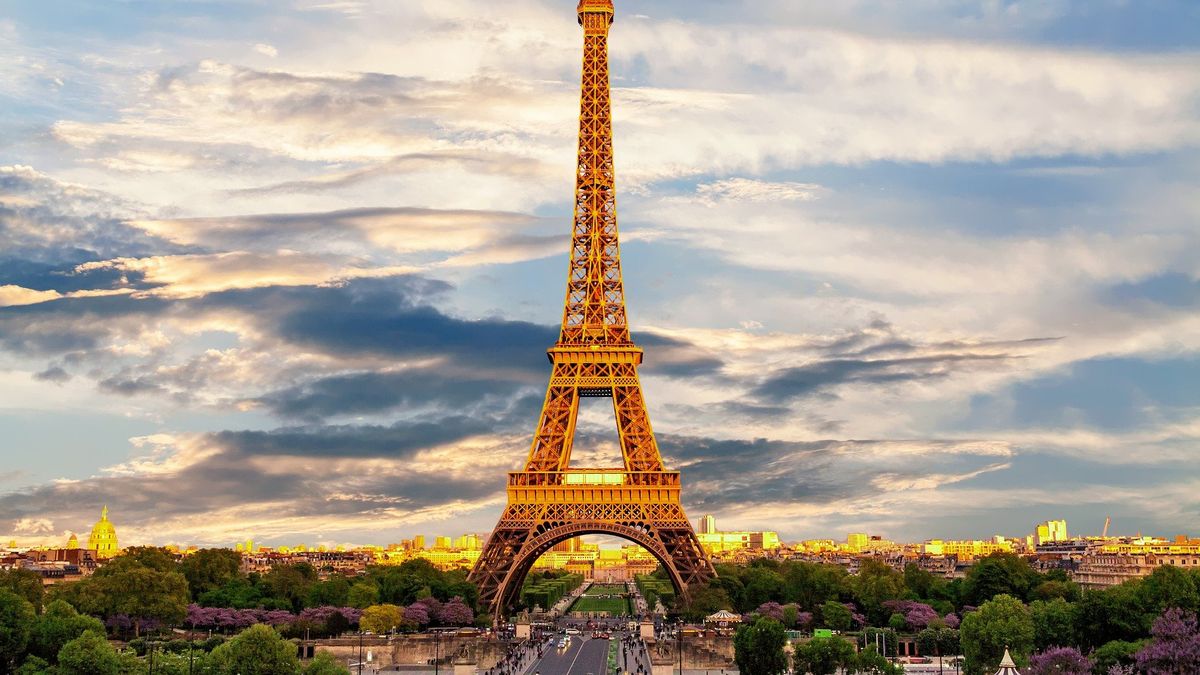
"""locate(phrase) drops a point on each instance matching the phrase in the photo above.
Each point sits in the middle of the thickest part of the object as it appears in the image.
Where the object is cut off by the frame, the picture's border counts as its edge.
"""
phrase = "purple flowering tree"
(917, 615)
(417, 613)
(771, 610)
(456, 613)
(1060, 661)
(951, 620)
(804, 619)
(1175, 647)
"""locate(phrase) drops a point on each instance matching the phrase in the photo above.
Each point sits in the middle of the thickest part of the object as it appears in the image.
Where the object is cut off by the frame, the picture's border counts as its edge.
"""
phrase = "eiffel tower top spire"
(594, 312)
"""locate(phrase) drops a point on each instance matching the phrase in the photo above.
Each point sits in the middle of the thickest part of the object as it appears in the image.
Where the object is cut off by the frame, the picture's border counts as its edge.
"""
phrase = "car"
(573, 631)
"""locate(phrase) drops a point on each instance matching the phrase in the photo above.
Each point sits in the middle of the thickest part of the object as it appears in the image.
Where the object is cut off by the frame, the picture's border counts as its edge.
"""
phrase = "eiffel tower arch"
(594, 356)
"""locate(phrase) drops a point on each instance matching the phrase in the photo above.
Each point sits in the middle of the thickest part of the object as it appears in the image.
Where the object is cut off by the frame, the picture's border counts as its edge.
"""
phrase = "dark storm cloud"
(733, 472)
(54, 374)
(289, 488)
(370, 392)
(75, 324)
(398, 441)
(792, 383)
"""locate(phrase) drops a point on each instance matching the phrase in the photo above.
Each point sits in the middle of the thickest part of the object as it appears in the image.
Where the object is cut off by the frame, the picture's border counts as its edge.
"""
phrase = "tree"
(874, 585)
(758, 647)
(140, 591)
(456, 613)
(1112, 614)
(362, 595)
(88, 654)
(25, 583)
(16, 617)
(896, 622)
(57, 626)
(837, 616)
(1168, 586)
(874, 663)
(938, 641)
(1053, 623)
(823, 656)
(919, 581)
(325, 664)
(1059, 661)
(417, 613)
(704, 601)
(996, 574)
(381, 618)
(1175, 647)
(153, 557)
(34, 665)
(1001, 622)
(290, 583)
(258, 650)
(335, 591)
(209, 569)
(1115, 653)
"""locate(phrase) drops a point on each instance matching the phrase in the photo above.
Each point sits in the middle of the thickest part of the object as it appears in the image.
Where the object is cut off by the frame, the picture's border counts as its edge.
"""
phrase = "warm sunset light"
(331, 333)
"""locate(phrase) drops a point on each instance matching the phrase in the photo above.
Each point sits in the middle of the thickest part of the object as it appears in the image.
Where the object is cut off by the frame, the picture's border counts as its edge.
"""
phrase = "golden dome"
(73, 542)
(103, 539)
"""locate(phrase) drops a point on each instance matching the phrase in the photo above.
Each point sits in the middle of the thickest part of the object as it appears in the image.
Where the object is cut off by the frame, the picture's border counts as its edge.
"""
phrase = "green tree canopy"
(89, 654)
(210, 568)
(16, 620)
(25, 583)
(996, 574)
(1053, 623)
(57, 626)
(758, 647)
(1001, 622)
(258, 650)
(836, 615)
(140, 591)
(363, 594)
(324, 663)
(824, 656)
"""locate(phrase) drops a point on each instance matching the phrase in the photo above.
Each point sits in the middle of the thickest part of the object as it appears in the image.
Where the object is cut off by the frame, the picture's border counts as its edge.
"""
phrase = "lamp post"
(679, 643)
(360, 661)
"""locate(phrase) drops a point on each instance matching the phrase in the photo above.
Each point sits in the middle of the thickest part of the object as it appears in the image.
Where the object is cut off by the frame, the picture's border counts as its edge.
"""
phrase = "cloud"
(745, 189)
(11, 295)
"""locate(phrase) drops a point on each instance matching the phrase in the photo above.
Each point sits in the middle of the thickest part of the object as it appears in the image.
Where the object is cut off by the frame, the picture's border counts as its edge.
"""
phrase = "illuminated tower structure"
(548, 502)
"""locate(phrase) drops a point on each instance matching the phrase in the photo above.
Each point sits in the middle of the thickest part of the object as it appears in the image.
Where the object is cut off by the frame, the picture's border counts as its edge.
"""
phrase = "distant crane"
(1107, 520)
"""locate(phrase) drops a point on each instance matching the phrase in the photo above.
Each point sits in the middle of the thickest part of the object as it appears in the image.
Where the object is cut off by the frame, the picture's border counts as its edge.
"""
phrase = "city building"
(103, 539)
(716, 542)
(966, 550)
(1050, 531)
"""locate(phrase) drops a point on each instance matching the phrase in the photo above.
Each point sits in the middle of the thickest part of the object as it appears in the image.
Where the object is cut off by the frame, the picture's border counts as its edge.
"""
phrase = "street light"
(679, 643)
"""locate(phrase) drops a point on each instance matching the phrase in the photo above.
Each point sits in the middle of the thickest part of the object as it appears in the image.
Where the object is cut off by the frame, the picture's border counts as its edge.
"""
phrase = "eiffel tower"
(594, 357)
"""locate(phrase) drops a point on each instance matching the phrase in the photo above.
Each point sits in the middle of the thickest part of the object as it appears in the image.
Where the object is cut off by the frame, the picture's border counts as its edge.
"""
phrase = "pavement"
(584, 656)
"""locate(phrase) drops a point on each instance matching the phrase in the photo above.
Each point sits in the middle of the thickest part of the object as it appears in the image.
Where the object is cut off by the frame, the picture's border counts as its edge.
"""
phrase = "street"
(584, 656)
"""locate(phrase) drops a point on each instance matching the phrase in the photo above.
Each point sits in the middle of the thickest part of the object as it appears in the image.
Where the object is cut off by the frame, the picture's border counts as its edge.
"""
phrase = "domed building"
(103, 539)
(73, 542)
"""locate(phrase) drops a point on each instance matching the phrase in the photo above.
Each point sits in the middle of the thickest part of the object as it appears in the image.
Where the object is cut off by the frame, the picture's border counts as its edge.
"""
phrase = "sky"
(288, 270)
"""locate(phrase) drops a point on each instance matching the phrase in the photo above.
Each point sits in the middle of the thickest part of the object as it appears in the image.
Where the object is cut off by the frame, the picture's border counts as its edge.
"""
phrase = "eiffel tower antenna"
(594, 357)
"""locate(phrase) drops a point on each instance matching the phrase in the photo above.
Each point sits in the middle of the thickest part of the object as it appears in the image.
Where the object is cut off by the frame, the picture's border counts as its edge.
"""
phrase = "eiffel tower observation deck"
(594, 356)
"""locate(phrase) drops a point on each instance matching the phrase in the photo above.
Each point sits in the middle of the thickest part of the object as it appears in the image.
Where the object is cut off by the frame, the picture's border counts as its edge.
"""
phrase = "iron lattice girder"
(594, 357)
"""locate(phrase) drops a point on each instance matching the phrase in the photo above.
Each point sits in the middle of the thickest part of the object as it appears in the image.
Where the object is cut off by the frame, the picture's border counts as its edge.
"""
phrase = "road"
(584, 656)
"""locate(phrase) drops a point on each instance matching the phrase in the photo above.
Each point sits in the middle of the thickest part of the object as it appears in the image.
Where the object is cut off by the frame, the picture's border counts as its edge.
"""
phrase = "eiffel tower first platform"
(594, 357)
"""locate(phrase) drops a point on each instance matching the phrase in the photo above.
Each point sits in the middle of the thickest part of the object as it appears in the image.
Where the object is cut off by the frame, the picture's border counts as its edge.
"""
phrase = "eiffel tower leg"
(633, 425)
(551, 448)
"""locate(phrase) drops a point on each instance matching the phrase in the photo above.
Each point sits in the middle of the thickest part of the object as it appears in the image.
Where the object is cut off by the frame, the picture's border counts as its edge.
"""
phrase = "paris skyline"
(920, 274)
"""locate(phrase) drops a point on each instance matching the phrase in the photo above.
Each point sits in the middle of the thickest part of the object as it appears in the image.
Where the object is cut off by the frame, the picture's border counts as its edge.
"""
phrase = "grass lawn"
(591, 600)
